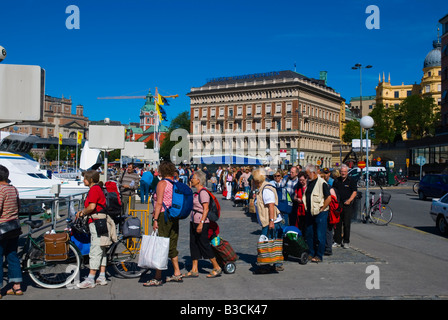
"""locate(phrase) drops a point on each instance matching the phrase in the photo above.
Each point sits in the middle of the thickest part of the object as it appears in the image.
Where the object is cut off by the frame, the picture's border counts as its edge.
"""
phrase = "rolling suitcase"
(225, 255)
(294, 244)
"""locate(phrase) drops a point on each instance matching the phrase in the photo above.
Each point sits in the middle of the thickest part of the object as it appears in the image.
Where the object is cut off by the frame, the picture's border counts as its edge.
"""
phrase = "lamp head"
(367, 122)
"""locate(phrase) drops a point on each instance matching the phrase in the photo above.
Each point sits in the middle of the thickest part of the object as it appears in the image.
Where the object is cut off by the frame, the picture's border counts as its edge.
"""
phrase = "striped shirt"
(127, 179)
(9, 203)
(167, 199)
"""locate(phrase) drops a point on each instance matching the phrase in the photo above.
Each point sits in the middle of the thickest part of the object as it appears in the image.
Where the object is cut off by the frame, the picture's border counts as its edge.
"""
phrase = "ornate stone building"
(58, 118)
(260, 114)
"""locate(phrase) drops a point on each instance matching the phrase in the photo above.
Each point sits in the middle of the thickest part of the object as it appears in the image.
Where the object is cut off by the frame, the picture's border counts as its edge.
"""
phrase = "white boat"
(25, 173)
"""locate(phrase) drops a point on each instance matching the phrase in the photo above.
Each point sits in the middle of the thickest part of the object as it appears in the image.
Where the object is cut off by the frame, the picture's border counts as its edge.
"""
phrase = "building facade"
(430, 85)
(444, 76)
(281, 114)
(58, 118)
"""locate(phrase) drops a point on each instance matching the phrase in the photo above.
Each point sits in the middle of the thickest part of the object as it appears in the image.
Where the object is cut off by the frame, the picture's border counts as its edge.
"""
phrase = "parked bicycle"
(362, 182)
(379, 212)
(47, 274)
(400, 179)
(122, 256)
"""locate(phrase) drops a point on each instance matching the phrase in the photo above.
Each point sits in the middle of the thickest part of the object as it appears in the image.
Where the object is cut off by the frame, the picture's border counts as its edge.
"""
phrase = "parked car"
(439, 213)
(433, 186)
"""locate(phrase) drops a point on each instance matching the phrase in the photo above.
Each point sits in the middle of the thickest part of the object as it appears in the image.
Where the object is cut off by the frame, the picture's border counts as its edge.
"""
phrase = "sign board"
(22, 93)
(302, 155)
(361, 164)
(150, 155)
(421, 160)
(106, 137)
(407, 162)
(282, 153)
(133, 149)
(356, 144)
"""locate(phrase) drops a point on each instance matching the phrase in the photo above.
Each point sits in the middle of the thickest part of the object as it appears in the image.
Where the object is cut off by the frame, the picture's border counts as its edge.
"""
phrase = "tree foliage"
(182, 121)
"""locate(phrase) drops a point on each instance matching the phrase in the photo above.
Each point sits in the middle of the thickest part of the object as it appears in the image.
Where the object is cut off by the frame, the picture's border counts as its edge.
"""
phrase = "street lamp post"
(367, 123)
(356, 67)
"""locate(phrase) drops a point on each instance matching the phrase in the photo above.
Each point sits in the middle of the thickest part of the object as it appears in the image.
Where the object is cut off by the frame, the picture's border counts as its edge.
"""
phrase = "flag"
(60, 138)
(79, 141)
(162, 100)
(160, 111)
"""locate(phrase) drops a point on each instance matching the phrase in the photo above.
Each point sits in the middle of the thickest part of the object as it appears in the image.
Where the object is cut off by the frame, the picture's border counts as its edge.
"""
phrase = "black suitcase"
(295, 245)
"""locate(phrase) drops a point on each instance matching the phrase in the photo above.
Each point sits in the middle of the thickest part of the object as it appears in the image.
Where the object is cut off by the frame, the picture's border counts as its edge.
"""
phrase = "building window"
(258, 109)
(221, 112)
(196, 113)
(408, 93)
(240, 111)
(212, 113)
(278, 108)
(268, 109)
(396, 94)
(288, 124)
(288, 108)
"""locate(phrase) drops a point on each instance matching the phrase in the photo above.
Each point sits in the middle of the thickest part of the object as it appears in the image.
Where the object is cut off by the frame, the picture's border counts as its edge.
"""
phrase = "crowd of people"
(311, 189)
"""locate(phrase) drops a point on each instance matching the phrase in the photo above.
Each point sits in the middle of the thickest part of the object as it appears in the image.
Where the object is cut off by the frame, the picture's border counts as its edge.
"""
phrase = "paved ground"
(406, 270)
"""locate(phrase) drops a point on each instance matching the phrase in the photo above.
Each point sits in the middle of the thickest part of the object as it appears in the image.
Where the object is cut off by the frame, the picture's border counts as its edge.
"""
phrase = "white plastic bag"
(154, 252)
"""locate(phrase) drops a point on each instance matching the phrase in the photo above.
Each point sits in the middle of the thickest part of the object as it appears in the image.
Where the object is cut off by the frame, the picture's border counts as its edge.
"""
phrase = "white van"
(356, 170)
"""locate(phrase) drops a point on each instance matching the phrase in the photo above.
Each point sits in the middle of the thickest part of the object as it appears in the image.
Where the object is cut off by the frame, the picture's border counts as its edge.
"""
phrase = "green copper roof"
(149, 103)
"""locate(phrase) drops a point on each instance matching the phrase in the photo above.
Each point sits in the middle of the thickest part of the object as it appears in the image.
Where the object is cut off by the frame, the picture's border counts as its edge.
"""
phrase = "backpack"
(113, 200)
(214, 208)
(284, 200)
(334, 213)
(132, 227)
(182, 201)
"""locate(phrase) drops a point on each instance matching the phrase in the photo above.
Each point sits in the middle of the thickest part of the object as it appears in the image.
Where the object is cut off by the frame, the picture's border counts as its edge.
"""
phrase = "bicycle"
(400, 180)
(379, 213)
(122, 255)
(47, 274)
(362, 182)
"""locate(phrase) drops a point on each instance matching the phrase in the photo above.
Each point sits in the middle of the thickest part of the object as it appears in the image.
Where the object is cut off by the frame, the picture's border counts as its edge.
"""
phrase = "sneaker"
(346, 245)
(86, 284)
(101, 281)
(335, 245)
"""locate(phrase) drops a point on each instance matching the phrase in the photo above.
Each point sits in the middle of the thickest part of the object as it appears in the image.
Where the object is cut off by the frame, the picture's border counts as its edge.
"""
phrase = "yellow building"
(392, 95)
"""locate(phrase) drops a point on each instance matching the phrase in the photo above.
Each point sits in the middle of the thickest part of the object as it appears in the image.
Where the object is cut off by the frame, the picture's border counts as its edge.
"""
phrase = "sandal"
(316, 260)
(215, 273)
(174, 278)
(14, 292)
(191, 274)
(153, 283)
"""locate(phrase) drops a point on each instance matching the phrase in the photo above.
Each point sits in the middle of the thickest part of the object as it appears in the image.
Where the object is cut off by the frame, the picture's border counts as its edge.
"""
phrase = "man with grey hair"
(316, 200)
(348, 190)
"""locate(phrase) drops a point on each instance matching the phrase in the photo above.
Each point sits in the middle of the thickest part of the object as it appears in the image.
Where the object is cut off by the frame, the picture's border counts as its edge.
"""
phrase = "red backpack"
(214, 208)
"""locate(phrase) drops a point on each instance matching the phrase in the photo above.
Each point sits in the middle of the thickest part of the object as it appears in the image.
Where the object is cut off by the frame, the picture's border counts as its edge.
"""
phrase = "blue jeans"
(8, 248)
(276, 233)
(144, 191)
(316, 233)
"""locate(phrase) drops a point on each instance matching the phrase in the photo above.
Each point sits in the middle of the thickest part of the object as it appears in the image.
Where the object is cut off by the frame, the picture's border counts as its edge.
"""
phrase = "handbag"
(154, 252)
(10, 229)
(269, 250)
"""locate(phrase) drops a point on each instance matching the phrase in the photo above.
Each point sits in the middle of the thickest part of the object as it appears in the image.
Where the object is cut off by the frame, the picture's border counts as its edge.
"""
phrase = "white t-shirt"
(268, 197)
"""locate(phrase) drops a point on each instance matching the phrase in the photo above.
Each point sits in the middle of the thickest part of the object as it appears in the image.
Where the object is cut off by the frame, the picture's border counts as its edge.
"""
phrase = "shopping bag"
(154, 252)
(269, 250)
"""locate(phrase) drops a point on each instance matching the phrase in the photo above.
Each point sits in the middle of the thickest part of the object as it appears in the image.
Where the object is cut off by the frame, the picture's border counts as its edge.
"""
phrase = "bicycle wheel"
(52, 274)
(381, 215)
(372, 183)
(361, 183)
(123, 257)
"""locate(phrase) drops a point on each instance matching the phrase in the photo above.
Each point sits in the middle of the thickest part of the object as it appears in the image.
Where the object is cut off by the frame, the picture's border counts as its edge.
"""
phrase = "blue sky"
(129, 47)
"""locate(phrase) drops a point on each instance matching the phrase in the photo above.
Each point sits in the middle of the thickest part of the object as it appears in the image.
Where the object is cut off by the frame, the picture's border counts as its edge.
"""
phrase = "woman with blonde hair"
(268, 215)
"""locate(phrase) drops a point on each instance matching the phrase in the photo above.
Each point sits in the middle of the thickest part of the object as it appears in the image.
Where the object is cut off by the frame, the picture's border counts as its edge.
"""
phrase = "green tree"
(387, 129)
(421, 115)
(51, 154)
(351, 131)
(182, 121)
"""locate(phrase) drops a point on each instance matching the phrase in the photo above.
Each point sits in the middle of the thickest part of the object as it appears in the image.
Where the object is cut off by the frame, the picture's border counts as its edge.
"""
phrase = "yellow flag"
(60, 138)
(159, 100)
(79, 137)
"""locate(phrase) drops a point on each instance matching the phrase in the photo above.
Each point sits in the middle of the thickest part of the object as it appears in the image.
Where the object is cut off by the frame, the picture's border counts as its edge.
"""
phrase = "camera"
(2, 53)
